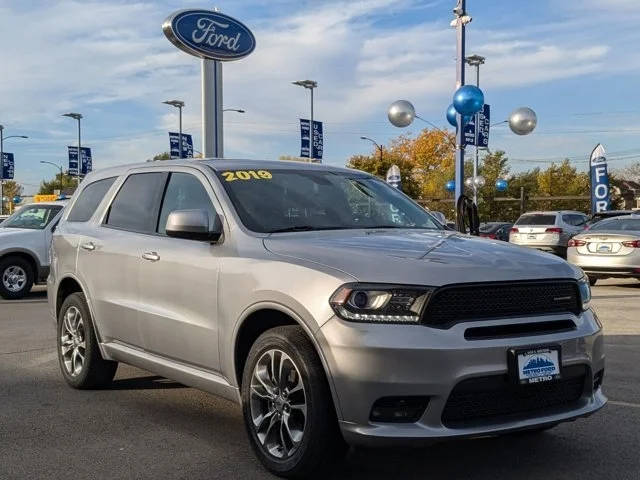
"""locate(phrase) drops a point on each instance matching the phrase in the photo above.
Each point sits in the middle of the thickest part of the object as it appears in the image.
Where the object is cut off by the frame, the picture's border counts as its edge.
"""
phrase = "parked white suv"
(25, 238)
(549, 231)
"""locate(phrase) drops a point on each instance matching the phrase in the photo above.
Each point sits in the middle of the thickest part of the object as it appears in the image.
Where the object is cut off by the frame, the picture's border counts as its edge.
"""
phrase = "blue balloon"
(501, 185)
(468, 100)
(17, 199)
(450, 186)
(451, 116)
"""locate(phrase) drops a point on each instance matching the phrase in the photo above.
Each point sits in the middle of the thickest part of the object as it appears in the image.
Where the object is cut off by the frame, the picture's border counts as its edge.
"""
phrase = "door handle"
(151, 256)
(88, 246)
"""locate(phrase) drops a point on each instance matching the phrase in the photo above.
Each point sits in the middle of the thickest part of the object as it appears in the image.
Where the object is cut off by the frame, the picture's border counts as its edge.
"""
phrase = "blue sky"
(575, 63)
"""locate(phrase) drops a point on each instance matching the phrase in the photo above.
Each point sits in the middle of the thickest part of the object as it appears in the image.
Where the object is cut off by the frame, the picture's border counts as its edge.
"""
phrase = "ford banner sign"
(209, 34)
(600, 201)
(8, 166)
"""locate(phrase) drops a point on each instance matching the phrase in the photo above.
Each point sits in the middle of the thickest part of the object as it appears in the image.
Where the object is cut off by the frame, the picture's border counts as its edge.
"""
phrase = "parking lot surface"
(147, 427)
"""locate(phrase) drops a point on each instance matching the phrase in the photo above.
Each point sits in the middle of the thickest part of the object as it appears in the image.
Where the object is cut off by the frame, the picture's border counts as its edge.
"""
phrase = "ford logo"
(208, 34)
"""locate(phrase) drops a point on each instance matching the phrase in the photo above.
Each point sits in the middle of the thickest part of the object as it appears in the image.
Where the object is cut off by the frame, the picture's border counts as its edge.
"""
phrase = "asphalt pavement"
(147, 427)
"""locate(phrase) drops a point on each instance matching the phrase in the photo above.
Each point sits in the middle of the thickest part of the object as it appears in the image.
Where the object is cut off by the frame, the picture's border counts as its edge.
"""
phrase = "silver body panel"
(179, 316)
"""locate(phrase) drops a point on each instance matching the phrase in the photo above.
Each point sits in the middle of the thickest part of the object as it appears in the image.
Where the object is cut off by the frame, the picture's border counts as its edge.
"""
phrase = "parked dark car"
(596, 217)
(496, 230)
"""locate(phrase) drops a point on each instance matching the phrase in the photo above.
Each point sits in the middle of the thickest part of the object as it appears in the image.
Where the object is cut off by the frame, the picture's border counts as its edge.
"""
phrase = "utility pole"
(460, 20)
(476, 61)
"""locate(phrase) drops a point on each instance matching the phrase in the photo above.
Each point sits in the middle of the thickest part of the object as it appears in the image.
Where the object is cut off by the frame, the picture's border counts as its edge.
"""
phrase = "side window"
(136, 204)
(89, 199)
(581, 220)
(568, 219)
(184, 192)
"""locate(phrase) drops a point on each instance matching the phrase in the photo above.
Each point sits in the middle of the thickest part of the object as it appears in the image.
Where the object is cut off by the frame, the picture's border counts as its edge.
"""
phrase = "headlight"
(380, 303)
(585, 292)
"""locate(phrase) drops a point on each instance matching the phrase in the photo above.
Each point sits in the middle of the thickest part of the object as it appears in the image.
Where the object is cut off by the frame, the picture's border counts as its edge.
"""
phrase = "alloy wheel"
(73, 341)
(278, 403)
(14, 278)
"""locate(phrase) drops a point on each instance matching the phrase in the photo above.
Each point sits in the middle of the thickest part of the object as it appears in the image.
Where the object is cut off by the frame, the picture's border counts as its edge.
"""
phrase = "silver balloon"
(479, 181)
(401, 113)
(468, 182)
(522, 121)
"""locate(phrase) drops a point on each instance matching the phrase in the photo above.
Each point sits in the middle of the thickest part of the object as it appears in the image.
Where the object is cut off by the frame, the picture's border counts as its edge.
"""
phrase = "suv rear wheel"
(80, 360)
(287, 406)
(16, 277)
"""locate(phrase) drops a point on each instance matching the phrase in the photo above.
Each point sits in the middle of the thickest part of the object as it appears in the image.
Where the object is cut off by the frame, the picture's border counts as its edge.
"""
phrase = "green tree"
(160, 156)
(65, 183)
(10, 189)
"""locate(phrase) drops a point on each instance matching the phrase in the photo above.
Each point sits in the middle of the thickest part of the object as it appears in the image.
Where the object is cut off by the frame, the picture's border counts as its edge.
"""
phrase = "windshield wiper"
(304, 228)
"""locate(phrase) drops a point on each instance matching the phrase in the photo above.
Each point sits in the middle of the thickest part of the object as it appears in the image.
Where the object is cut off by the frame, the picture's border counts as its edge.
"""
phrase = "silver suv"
(332, 307)
(25, 238)
(549, 231)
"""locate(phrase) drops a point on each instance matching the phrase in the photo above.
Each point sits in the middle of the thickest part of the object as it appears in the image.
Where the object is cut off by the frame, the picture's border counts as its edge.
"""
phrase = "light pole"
(476, 61)
(78, 117)
(61, 173)
(237, 110)
(179, 104)
(310, 84)
(375, 143)
(2, 139)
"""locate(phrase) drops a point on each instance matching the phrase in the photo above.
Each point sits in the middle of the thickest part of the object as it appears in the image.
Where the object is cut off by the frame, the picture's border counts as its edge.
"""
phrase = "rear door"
(110, 255)
(178, 280)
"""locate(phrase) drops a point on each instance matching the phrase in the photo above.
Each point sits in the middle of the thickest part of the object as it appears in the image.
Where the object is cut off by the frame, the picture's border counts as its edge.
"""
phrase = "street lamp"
(78, 117)
(310, 84)
(238, 110)
(61, 173)
(375, 143)
(179, 104)
(476, 61)
(2, 139)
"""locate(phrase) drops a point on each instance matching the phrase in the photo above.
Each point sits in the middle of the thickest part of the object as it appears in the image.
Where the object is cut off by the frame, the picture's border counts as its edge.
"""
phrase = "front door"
(179, 281)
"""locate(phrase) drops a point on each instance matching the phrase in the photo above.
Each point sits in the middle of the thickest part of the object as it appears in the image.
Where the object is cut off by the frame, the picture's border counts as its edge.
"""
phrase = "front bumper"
(369, 361)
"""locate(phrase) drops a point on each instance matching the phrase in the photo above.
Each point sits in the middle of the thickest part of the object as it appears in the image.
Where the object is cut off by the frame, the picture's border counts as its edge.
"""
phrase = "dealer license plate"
(540, 364)
(531, 236)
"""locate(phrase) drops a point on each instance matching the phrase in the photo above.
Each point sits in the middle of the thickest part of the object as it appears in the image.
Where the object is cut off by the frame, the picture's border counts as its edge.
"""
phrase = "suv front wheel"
(287, 406)
(80, 360)
(16, 277)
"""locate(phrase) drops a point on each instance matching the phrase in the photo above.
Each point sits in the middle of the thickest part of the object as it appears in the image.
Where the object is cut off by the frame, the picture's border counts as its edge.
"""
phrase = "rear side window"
(535, 219)
(184, 192)
(632, 224)
(136, 205)
(89, 199)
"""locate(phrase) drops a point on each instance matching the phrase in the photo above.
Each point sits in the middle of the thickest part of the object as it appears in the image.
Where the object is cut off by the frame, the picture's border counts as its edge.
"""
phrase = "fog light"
(398, 409)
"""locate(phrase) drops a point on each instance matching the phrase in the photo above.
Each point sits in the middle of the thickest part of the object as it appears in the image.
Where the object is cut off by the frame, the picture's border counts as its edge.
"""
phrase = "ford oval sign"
(208, 34)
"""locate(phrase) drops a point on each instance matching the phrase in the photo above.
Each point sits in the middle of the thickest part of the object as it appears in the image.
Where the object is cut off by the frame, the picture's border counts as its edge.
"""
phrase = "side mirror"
(193, 225)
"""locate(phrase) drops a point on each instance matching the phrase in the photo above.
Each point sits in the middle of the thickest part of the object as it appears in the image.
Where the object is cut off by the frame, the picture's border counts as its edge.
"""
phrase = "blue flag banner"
(174, 145)
(8, 166)
(87, 162)
(484, 119)
(600, 200)
(318, 139)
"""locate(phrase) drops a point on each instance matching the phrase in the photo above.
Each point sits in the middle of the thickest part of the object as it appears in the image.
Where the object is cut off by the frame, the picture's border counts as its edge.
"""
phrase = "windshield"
(270, 201)
(536, 220)
(632, 224)
(35, 217)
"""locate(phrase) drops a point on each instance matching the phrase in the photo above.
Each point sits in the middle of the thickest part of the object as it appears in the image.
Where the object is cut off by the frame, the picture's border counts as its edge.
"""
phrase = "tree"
(160, 156)
(425, 162)
(65, 183)
(632, 172)
(10, 189)
(290, 158)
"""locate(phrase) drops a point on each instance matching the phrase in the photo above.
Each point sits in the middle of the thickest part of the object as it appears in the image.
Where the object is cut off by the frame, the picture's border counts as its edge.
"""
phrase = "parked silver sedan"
(610, 248)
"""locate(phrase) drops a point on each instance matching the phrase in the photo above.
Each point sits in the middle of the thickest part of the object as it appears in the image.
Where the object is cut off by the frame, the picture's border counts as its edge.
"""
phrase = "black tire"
(95, 372)
(592, 280)
(15, 262)
(322, 445)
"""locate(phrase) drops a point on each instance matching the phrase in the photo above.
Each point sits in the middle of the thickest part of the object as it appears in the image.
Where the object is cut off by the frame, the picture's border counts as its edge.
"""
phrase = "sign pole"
(180, 129)
(460, 11)
(212, 108)
(311, 153)
(1, 169)
(79, 153)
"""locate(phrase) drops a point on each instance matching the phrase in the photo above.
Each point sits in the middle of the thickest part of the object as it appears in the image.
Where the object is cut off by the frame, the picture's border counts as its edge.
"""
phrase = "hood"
(419, 257)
